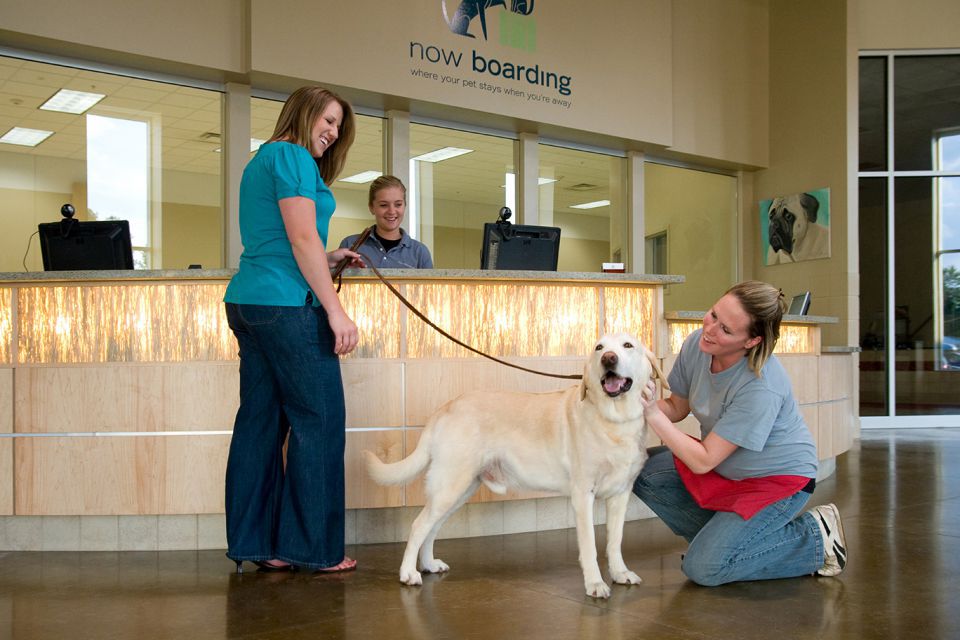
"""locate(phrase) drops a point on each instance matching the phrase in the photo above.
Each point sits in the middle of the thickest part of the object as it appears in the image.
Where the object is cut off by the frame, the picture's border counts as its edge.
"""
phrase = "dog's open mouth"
(614, 385)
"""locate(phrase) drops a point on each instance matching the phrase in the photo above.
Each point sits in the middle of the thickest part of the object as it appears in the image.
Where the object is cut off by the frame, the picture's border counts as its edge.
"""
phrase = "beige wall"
(721, 80)
(698, 210)
(917, 24)
(811, 66)
(207, 34)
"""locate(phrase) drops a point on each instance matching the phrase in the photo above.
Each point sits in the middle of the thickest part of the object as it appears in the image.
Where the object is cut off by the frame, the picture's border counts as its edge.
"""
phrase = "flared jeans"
(290, 385)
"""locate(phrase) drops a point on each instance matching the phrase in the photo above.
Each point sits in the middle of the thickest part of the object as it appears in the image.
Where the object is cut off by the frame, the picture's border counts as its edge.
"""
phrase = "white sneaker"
(834, 545)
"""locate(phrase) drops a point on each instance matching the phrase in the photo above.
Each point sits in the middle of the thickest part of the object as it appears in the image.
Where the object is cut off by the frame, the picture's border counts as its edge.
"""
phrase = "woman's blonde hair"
(385, 182)
(765, 305)
(300, 113)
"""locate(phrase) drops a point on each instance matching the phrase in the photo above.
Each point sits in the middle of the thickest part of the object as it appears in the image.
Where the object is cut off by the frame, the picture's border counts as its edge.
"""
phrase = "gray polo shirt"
(409, 254)
(758, 414)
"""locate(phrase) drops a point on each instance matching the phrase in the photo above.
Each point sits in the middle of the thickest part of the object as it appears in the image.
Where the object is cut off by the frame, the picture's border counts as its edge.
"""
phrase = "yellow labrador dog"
(586, 441)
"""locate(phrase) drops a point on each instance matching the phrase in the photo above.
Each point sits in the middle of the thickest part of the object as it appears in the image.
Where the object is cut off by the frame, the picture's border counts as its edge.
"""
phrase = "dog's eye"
(790, 217)
(628, 345)
(599, 347)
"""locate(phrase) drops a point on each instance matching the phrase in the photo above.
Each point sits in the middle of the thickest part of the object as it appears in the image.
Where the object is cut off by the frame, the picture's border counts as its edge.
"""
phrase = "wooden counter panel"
(804, 374)
(373, 393)
(156, 397)
(6, 444)
(124, 475)
(361, 490)
(431, 383)
(836, 377)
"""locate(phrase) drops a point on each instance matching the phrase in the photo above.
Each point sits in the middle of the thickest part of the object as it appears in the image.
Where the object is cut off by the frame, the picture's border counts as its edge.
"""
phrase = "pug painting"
(793, 230)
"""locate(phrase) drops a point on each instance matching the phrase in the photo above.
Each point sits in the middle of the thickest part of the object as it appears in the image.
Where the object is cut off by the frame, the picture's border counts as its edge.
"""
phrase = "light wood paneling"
(156, 397)
(431, 383)
(811, 415)
(120, 475)
(362, 491)
(803, 373)
(373, 392)
(6, 444)
(836, 377)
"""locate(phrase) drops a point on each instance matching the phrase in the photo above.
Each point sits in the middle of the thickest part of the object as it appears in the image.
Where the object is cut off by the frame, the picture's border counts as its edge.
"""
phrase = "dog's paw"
(626, 577)
(597, 589)
(435, 566)
(411, 577)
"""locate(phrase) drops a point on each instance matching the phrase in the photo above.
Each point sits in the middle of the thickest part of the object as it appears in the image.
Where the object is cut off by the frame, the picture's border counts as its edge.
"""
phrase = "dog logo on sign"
(515, 31)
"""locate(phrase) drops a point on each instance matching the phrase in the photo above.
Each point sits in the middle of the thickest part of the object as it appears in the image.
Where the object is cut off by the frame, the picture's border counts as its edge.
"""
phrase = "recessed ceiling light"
(255, 144)
(364, 176)
(25, 137)
(69, 101)
(591, 205)
(543, 181)
(442, 154)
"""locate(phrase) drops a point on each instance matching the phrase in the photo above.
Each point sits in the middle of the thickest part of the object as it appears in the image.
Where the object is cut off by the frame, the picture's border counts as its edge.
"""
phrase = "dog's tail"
(404, 470)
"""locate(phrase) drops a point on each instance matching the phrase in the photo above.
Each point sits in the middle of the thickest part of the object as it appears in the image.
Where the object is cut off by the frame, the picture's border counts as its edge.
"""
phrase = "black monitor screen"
(74, 245)
(521, 247)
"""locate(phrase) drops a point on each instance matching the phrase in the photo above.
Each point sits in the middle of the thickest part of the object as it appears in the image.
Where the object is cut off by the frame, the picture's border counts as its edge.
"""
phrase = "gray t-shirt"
(758, 414)
(409, 254)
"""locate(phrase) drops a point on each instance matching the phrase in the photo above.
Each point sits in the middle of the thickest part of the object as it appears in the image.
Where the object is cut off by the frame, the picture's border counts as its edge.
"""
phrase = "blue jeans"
(774, 543)
(289, 384)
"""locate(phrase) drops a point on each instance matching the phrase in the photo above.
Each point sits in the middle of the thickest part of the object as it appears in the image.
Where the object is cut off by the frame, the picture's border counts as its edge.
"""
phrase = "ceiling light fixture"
(69, 101)
(442, 154)
(362, 177)
(591, 205)
(25, 137)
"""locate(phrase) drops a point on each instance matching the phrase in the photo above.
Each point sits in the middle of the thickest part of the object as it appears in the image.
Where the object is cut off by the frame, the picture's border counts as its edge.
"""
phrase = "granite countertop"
(400, 274)
(698, 315)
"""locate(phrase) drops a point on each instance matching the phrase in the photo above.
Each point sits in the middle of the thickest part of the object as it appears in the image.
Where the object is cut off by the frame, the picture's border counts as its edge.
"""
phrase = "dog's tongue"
(613, 383)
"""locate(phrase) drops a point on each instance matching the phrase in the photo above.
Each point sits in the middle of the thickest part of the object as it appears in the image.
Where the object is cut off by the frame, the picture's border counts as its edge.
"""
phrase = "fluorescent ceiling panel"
(360, 178)
(591, 205)
(25, 137)
(69, 101)
(442, 154)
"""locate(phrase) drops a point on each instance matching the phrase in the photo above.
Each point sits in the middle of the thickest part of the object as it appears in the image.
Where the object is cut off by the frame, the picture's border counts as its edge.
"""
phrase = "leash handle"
(337, 273)
(446, 335)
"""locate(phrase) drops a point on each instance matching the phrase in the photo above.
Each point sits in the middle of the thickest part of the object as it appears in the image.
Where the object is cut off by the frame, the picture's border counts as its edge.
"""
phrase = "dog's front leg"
(582, 501)
(616, 515)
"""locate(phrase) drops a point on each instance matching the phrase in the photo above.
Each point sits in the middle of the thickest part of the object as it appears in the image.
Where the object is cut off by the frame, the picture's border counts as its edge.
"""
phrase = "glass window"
(873, 296)
(699, 211)
(364, 164)
(459, 181)
(925, 99)
(873, 114)
(584, 194)
(137, 150)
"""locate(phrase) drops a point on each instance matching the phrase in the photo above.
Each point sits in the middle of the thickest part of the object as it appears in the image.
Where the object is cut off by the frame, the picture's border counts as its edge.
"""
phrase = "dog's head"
(789, 218)
(616, 373)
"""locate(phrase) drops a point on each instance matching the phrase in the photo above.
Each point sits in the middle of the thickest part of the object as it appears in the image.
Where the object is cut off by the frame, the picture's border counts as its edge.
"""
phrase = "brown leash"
(338, 271)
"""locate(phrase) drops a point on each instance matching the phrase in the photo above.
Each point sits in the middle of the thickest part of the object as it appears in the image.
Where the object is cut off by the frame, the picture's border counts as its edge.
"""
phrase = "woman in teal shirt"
(291, 330)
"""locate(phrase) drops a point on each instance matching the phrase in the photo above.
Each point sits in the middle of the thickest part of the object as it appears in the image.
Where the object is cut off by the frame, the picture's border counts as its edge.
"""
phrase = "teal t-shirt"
(268, 273)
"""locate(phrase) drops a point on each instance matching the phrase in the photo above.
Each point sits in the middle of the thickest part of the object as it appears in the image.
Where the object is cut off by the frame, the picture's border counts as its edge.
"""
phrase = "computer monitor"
(520, 246)
(74, 245)
(800, 304)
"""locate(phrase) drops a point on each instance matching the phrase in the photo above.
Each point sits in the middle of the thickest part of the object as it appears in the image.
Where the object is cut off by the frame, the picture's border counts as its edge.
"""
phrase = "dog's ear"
(657, 371)
(811, 206)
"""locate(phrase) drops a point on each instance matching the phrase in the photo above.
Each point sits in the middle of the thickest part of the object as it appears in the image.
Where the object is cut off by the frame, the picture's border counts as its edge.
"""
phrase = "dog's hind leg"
(427, 562)
(582, 501)
(616, 515)
(443, 498)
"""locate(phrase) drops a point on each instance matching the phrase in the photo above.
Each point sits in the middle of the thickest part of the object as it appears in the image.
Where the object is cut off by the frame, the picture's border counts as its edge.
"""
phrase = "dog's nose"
(609, 360)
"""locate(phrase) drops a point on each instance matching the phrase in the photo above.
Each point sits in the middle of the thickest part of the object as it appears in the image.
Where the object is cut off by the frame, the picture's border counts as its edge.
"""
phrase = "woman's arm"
(300, 221)
(700, 456)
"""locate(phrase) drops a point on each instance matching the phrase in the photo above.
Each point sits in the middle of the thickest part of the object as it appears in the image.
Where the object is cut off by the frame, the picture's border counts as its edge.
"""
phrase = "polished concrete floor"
(898, 492)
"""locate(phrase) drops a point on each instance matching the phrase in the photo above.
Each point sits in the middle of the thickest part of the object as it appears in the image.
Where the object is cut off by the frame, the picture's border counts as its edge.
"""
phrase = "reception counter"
(118, 392)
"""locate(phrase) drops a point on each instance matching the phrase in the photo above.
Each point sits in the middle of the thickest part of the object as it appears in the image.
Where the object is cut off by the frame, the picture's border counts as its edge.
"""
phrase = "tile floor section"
(898, 492)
